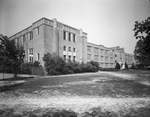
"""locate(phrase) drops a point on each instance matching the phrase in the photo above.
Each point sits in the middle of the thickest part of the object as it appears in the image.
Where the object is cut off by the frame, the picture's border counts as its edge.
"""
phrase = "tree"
(142, 49)
(11, 54)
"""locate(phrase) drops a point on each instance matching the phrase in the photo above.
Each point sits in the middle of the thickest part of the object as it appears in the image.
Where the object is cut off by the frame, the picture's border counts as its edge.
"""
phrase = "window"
(69, 49)
(24, 38)
(64, 48)
(115, 55)
(37, 31)
(17, 41)
(38, 56)
(106, 58)
(64, 35)
(102, 58)
(69, 58)
(89, 56)
(101, 51)
(74, 38)
(95, 50)
(111, 59)
(106, 52)
(74, 49)
(69, 36)
(31, 55)
(65, 57)
(106, 64)
(31, 35)
(74, 58)
(96, 57)
(89, 48)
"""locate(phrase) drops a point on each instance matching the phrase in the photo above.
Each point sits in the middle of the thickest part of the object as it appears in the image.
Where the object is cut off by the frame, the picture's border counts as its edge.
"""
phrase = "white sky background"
(107, 22)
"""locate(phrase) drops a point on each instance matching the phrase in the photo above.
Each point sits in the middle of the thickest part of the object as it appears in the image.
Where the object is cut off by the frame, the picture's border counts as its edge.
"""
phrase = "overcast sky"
(107, 22)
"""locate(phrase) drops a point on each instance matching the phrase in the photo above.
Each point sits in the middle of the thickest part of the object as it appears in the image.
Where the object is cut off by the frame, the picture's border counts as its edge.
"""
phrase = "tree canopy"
(142, 49)
(11, 54)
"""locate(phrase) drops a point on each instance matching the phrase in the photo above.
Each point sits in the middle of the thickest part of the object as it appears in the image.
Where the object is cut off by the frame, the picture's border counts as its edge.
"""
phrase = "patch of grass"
(18, 78)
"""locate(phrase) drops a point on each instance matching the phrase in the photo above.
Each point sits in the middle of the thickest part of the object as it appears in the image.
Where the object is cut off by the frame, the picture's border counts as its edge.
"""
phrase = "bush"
(55, 65)
(117, 66)
(31, 68)
(108, 69)
(126, 66)
(95, 64)
(25, 68)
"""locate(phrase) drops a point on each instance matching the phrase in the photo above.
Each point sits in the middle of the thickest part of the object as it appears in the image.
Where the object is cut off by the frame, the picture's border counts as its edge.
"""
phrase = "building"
(51, 36)
(103, 55)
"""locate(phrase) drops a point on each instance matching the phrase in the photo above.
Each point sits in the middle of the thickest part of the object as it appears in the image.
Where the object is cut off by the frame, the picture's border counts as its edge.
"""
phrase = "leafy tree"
(11, 55)
(142, 49)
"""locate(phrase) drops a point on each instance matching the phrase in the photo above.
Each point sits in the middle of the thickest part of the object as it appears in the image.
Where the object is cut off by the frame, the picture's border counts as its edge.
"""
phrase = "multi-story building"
(51, 36)
(103, 55)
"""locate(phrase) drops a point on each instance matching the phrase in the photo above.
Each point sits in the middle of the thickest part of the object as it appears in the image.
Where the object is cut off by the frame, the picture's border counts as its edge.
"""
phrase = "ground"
(123, 93)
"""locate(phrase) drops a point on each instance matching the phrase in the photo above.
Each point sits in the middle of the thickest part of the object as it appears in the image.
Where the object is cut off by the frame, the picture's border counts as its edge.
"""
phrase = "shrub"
(126, 66)
(55, 65)
(95, 64)
(117, 66)
(109, 69)
(25, 68)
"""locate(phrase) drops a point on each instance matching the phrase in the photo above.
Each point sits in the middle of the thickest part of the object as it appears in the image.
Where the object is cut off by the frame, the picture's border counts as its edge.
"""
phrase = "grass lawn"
(106, 94)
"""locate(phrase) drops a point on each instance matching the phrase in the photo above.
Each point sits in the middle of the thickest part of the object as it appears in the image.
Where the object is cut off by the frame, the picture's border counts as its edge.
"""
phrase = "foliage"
(55, 65)
(117, 66)
(133, 66)
(25, 68)
(28, 68)
(142, 49)
(11, 54)
(95, 64)
(108, 69)
(126, 66)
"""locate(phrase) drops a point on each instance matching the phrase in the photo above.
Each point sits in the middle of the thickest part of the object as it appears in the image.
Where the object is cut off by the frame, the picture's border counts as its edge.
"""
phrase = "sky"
(107, 22)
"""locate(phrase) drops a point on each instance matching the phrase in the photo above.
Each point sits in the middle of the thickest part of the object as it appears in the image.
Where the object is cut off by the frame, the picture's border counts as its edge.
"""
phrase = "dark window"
(64, 48)
(38, 56)
(31, 35)
(74, 58)
(64, 35)
(74, 49)
(69, 49)
(74, 38)
(69, 36)
(115, 55)
(69, 58)
(24, 38)
(65, 57)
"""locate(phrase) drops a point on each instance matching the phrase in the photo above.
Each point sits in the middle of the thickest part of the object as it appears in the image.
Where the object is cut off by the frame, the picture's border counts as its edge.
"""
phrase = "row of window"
(29, 36)
(69, 36)
(96, 50)
(69, 58)
(69, 49)
(96, 57)
(106, 65)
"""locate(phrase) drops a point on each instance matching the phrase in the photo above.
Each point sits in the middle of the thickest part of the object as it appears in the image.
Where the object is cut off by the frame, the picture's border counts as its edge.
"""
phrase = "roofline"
(39, 20)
